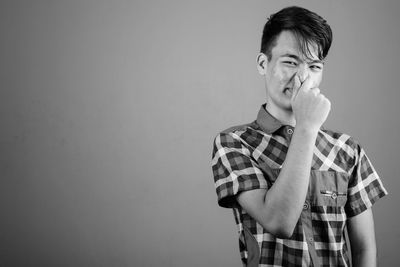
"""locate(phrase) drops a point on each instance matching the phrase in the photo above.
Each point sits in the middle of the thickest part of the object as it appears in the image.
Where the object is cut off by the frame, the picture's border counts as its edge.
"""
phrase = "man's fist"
(310, 107)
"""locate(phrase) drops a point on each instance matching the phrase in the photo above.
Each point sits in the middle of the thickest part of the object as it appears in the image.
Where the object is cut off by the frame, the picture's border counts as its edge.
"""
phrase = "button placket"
(306, 219)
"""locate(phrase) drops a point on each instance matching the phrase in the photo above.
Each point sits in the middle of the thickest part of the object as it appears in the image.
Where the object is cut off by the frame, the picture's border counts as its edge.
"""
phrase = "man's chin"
(286, 106)
(289, 108)
(287, 102)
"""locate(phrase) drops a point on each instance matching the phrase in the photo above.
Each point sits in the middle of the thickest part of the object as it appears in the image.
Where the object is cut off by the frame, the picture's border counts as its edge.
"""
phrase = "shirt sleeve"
(365, 186)
(234, 169)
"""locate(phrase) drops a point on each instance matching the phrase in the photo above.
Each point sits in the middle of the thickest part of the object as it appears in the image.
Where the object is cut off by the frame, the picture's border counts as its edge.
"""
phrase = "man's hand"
(310, 107)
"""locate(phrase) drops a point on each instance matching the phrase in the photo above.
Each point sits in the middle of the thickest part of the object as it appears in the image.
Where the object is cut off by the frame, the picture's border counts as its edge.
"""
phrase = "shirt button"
(290, 131)
(306, 206)
(310, 239)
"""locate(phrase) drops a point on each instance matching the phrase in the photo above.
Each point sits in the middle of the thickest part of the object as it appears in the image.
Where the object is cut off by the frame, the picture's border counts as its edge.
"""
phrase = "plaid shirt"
(343, 183)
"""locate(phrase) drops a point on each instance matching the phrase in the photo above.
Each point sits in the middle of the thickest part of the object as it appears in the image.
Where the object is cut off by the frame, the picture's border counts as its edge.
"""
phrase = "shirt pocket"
(328, 188)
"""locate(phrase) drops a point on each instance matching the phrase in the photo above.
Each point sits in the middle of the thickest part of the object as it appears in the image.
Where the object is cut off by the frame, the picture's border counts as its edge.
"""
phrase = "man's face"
(279, 71)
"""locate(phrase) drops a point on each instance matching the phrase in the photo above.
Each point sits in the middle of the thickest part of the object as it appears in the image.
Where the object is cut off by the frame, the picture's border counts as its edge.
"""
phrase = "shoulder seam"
(232, 129)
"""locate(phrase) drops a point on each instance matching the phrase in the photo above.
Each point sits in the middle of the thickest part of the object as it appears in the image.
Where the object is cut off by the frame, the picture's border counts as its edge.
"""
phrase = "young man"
(293, 185)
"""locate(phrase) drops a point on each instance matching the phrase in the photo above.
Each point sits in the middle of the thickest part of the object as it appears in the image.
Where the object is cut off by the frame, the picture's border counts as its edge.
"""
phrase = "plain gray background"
(108, 110)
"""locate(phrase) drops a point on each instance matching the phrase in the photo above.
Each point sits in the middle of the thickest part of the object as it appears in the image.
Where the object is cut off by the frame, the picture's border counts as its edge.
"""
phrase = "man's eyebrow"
(299, 59)
(291, 56)
(316, 61)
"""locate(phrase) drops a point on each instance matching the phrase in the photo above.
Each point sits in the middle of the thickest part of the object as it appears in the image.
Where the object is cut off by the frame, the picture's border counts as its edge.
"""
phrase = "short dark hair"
(308, 27)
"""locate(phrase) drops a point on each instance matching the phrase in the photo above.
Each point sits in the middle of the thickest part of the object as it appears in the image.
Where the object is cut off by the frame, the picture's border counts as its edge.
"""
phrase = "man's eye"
(290, 63)
(316, 67)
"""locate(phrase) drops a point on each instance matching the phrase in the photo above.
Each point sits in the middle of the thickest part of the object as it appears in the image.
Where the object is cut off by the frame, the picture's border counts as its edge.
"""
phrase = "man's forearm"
(284, 200)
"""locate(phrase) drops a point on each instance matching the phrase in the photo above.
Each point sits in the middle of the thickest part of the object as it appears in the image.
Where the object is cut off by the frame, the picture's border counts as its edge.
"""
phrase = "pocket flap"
(329, 188)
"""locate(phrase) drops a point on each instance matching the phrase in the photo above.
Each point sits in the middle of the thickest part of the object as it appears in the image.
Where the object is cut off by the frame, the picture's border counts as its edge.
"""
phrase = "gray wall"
(108, 110)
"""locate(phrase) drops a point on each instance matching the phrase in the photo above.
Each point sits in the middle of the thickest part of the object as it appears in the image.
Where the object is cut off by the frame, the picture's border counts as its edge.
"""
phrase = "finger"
(307, 83)
(296, 86)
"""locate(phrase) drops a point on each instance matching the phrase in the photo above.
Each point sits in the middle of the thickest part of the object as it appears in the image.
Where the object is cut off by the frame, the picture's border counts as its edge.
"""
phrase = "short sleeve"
(234, 170)
(365, 186)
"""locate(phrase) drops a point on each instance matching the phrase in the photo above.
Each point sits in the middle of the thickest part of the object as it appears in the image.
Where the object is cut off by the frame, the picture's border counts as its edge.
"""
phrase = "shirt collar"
(266, 121)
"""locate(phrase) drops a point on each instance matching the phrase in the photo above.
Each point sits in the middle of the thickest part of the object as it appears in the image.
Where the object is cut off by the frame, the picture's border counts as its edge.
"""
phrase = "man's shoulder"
(232, 136)
(340, 137)
(239, 128)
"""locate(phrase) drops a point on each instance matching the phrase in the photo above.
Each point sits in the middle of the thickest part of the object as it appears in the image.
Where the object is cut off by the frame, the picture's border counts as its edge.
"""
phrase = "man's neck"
(286, 117)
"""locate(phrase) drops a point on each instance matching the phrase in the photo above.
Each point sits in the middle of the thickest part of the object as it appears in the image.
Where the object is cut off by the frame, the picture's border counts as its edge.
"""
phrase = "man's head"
(295, 43)
(308, 28)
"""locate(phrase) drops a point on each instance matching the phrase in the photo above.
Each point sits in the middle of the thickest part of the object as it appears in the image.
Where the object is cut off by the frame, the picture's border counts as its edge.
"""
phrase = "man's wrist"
(307, 130)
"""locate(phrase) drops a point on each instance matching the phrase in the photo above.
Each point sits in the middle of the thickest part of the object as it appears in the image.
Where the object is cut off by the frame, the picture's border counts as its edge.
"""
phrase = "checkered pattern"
(343, 183)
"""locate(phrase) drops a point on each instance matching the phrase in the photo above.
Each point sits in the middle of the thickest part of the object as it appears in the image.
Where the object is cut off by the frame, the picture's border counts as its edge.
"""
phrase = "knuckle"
(328, 102)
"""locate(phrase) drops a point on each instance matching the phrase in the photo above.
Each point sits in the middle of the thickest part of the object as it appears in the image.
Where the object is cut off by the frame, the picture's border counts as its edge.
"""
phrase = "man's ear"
(262, 61)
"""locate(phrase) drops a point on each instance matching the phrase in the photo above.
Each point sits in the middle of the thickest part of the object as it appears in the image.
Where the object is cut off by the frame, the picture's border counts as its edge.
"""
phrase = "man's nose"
(302, 72)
